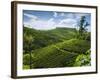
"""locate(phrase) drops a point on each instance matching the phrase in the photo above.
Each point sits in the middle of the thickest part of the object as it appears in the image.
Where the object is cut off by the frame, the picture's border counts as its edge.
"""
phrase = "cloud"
(50, 24)
(41, 24)
(31, 16)
(62, 14)
(67, 23)
(55, 14)
(67, 15)
(51, 20)
(74, 15)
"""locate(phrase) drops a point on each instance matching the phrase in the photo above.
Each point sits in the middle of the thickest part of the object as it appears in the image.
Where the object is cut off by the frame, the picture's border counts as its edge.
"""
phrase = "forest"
(59, 47)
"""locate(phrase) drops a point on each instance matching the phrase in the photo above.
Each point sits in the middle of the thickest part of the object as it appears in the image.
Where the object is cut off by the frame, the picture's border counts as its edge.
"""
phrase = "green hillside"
(44, 38)
(54, 48)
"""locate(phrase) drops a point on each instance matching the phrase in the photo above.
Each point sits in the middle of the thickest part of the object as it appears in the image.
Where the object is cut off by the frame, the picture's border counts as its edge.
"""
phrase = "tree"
(29, 40)
(82, 27)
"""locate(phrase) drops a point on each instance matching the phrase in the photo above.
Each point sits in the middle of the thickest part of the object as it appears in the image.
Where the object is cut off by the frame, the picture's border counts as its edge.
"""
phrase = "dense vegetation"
(60, 47)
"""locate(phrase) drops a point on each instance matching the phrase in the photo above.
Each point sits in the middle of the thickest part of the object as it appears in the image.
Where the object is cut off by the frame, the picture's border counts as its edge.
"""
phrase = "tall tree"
(82, 26)
(29, 39)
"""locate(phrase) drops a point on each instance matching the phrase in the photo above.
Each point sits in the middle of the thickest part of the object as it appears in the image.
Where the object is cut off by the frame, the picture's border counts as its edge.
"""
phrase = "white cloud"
(50, 24)
(62, 14)
(68, 15)
(55, 14)
(41, 24)
(68, 21)
(71, 23)
(51, 20)
(30, 16)
(73, 15)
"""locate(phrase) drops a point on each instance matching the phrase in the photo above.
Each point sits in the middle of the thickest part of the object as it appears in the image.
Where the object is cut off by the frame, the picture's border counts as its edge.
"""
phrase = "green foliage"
(88, 37)
(26, 59)
(50, 56)
(83, 59)
(63, 33)
(56, 56)
(82, 32)
(54, 48)
(35, 39)
(75, 45)
(26, 66)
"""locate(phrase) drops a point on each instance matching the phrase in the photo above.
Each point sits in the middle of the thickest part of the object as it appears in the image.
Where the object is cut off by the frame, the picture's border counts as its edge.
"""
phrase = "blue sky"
(46, 20)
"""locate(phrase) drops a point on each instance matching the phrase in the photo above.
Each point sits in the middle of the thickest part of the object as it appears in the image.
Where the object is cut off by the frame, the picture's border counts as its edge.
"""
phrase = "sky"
(47, 20)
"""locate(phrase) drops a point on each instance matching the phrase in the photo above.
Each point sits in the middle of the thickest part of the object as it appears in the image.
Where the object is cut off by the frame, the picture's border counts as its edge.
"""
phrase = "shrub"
(83, 59)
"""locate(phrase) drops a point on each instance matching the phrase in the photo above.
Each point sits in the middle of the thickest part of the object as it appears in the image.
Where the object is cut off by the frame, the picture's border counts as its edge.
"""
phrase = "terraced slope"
(62, 54)
(44, 38)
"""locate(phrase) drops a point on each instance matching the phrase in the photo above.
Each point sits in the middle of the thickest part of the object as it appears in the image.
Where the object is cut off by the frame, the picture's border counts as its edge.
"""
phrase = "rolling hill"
(53, 48)
(44, 38)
